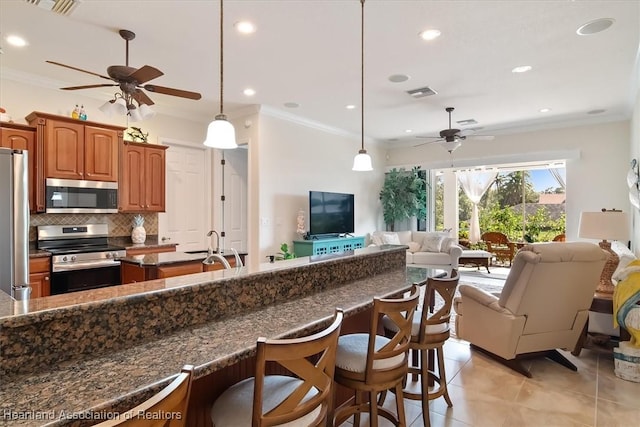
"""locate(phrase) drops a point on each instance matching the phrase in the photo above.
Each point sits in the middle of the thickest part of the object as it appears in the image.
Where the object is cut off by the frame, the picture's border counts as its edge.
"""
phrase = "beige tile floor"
(487, 394)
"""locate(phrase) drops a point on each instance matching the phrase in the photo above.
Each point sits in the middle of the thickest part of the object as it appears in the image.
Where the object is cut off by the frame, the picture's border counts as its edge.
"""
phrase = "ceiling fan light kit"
(220, 132)
(362, 160)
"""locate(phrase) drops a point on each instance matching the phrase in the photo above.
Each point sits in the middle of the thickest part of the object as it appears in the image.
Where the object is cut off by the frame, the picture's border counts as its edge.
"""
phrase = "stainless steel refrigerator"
(14, 223)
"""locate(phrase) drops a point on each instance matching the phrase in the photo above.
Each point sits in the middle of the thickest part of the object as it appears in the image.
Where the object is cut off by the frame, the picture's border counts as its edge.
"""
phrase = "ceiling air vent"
(422, 92)
(63, 7)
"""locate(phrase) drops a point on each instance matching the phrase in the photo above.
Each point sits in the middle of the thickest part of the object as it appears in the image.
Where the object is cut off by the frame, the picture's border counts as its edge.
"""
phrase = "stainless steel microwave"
(80, 196)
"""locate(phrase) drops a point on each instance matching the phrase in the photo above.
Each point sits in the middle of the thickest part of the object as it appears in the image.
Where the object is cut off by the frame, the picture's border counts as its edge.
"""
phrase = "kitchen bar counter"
(113, 372)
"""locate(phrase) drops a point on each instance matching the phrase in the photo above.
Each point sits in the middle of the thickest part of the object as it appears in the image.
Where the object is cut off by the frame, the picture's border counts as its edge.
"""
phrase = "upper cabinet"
(76, 149)
(22, 137)
(142, 178)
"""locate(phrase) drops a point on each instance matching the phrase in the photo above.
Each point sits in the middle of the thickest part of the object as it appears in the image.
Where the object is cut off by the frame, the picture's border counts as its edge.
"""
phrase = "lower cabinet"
(150, 250)
(40, 277)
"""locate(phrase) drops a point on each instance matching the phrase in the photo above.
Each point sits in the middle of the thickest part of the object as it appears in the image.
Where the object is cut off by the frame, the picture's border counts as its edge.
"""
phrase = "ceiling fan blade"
(142, 97)
(173, 92)
(144, 74)
(87, 86)
(428, 142)
(79, 69)
(431, 137)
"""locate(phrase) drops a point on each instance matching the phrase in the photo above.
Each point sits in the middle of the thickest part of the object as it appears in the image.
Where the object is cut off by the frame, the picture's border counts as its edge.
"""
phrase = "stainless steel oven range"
(81, 257)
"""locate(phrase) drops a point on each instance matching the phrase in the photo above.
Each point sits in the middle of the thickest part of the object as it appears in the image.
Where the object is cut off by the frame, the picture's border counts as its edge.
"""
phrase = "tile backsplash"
(119, 224)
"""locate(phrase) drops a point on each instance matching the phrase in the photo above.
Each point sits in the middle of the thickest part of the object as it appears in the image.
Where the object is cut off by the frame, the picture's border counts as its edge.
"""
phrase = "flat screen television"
(330, 213)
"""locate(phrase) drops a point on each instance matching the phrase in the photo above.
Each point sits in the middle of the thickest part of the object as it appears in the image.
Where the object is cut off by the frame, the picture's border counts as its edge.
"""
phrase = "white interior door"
(188, 197)
(235, 205)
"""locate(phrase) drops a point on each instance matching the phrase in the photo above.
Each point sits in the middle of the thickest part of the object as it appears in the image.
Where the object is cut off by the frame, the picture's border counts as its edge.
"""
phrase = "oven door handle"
(85, 265)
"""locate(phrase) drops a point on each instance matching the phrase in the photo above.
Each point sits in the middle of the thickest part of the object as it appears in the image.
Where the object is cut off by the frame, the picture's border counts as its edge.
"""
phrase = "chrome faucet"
(210, 249)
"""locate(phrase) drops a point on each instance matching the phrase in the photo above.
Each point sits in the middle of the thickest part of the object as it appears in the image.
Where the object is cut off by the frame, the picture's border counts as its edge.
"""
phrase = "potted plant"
(402, 195)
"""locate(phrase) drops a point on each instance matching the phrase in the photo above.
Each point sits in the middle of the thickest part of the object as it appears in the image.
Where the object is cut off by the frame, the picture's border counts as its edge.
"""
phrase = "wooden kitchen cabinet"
(75, 149)
(40, 277)
(142, 178)
(22, 137)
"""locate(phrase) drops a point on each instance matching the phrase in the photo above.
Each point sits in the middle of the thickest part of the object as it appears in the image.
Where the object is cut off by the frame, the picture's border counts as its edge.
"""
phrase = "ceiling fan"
(451, 138)
(131, 80)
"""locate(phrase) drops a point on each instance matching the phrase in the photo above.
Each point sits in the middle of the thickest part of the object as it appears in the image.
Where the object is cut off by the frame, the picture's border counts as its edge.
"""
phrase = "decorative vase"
(138, 234)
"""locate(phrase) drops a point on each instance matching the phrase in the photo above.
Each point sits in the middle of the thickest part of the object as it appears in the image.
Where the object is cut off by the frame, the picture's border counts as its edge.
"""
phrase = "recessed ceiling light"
(429, 34)
(408, 131)
(398, 78)
(245, 27)
(522, 69)
(291, 104)
(544, 110)
(16, 41)
(595, 26)
(249, 92)
(350, 107)
(598, 111)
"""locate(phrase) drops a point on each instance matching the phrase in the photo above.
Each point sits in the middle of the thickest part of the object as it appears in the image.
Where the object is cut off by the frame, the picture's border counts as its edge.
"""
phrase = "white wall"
(598, 161)
(295, 158)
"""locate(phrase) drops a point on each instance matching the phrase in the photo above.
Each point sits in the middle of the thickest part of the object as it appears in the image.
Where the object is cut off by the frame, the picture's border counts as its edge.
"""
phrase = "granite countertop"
(150, 242)
(123, 377)
(38, 253)
(163, 258)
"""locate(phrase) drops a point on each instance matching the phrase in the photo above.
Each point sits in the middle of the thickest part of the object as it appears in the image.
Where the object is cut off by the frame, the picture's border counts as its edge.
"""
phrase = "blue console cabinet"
(326, 246)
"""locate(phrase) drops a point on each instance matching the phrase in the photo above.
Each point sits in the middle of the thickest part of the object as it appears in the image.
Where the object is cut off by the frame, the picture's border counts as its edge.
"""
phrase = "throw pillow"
(390, 239)
(413, 247)
(376, 238)
(432, 243)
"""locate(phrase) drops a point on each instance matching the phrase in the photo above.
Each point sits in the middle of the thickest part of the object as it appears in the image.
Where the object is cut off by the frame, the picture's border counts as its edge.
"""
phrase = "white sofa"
(426, 249)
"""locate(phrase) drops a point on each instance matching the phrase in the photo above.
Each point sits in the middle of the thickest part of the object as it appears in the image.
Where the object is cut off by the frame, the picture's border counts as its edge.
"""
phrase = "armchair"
(543, 306)
(499, 244)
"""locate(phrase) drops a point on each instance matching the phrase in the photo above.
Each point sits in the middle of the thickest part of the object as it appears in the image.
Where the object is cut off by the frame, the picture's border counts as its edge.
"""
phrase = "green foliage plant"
(401, 195)
(284, 253)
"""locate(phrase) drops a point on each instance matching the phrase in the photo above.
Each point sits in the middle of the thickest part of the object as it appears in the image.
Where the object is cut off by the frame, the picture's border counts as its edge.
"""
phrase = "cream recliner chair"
(543, 306)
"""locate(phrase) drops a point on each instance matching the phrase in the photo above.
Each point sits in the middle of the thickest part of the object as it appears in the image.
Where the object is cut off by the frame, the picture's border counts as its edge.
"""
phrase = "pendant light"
(362, 161)
(220, 133)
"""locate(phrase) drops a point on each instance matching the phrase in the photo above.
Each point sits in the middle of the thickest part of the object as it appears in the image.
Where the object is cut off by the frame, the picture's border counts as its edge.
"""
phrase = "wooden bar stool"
(371, 363)
(302, 399)
(429, 333)
(166, 409)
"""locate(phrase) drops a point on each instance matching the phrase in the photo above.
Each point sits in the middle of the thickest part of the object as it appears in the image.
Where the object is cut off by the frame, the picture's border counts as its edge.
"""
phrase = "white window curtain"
(475, 184)
(558, 177)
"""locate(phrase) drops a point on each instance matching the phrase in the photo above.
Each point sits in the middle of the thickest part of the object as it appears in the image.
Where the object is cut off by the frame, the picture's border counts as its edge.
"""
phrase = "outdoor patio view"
(512, 205)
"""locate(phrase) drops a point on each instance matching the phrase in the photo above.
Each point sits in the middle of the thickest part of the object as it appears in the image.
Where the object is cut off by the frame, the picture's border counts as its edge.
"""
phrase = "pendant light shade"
(220, 133)
(362, 161)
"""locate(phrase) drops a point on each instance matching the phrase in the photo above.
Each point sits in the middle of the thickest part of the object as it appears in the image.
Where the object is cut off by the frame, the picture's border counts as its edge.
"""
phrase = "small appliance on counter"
(14, 223)
(81, 257)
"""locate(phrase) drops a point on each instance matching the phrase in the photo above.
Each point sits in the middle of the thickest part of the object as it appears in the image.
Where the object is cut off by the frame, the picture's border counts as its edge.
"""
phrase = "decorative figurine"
(83, 114)
(75, 114)
(300, 226)
(136, 134)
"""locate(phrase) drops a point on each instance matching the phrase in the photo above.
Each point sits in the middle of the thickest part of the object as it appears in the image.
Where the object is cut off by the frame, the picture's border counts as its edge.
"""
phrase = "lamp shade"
(146, 112)
(605, 225)
(362, 162)
(221, 134)
(108, 108)
(120, 106)
(450, 146)
(135, 115)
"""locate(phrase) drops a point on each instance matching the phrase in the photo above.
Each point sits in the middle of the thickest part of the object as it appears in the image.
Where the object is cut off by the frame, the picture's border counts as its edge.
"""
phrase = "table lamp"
(606, 225)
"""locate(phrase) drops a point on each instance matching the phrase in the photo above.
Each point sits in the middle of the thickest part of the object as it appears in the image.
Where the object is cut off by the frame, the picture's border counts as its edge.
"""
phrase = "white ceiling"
(308, 52)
